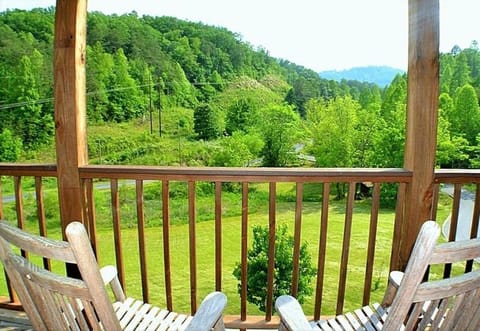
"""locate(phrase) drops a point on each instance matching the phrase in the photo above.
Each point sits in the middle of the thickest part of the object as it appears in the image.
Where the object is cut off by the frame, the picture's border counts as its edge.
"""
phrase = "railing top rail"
(216, 173)
(248, 174)
(28, 169)
(457, 176)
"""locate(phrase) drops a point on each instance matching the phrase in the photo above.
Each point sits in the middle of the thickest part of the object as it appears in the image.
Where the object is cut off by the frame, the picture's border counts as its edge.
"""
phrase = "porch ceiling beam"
(70, 104)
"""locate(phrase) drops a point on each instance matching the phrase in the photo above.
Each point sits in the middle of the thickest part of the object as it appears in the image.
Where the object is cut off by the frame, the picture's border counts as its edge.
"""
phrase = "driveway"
(465, 215)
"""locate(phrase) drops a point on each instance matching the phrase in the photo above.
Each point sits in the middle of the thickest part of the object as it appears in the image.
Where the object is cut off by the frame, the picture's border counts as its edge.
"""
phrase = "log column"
(422, 112)
(70, 105)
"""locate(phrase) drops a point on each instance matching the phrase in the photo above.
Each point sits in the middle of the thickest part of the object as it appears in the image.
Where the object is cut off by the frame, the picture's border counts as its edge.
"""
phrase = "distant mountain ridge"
(380, 75)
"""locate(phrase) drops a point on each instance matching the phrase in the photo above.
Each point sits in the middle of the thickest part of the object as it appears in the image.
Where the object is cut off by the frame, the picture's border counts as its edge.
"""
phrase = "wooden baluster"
(117, 231)
(166, 243)
(322, 247)
(141, 239)
(193, 246)
(372, 238)
(347, 233)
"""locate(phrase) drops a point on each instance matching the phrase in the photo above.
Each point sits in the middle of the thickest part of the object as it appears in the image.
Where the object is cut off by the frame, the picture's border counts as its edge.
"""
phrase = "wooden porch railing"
(239, 313)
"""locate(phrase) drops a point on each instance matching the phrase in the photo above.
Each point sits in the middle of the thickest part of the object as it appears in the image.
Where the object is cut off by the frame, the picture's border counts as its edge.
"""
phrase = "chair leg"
(282, 327)
(219, 326)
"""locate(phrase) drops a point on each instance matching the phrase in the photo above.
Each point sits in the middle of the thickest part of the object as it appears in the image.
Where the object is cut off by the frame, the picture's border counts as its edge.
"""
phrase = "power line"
(47, 100)
(25, 103)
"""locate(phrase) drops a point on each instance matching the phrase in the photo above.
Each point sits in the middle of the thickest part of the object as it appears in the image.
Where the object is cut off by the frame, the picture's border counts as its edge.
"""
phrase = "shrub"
(257, 265)
(10, 146)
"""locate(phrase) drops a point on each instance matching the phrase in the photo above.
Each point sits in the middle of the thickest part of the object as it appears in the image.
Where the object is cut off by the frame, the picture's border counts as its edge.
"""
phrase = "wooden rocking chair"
(57, 302)
(446, 304)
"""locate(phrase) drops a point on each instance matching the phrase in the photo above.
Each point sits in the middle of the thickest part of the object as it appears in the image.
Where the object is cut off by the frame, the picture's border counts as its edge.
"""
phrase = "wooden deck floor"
(12, 320)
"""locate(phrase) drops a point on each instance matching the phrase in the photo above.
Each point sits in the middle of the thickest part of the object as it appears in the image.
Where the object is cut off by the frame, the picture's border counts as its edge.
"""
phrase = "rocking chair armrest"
(110, 277)
(291, 314)
(394, 280)
(209, 314)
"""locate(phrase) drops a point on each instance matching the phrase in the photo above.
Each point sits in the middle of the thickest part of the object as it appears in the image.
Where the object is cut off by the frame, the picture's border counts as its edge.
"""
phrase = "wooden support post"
(70, 105)
(422, 112)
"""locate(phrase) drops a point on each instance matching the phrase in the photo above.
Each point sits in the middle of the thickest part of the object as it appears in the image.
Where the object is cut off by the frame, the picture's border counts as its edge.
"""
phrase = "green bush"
(257, 266)
(10, 146)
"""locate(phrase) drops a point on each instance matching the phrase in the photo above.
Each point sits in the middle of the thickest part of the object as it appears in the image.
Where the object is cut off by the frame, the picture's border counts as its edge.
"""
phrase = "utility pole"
(150, 107)
(159, 109)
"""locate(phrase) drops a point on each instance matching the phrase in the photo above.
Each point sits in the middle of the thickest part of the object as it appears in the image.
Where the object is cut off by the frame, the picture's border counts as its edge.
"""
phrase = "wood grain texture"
(410, 303)
(70, 104)
(422, 114)
(57, 302)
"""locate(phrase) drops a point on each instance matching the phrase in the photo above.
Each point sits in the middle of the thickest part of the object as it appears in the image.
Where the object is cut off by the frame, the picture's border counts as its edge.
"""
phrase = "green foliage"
(461, 74)
(465, 118)
(303, 90)
(208, 123)
(279, 127)
(257, 266)
(10, 146)
(124, 98)
(332, 126)
(238, 116)
(389, 142)
(451, 149)
(238, 150)
(99, 66)
(388, 195)
(141, 67)
(34, 121)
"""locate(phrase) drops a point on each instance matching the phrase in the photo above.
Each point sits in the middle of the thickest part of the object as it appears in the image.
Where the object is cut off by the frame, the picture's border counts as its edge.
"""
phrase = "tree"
(257, 267)
(395, 94)
(10, 146)
(33, 124)
(389, 143)
(237, 150)
(451, 149)
(461, 74)
(446, 72)
(303, 90)
(179, 88)
(238, 116)
(207, 122)
(279, 127)
(99, 68)
(366, 130)
(332, 126)
(465, 118)
(125, 97)
(370, 97)
(242, 101)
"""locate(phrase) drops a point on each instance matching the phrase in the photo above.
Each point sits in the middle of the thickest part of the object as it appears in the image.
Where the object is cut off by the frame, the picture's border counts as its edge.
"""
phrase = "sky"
(318, 34)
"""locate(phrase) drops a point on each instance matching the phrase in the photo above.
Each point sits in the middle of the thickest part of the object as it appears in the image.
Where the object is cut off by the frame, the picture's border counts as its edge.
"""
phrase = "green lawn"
(231, 236)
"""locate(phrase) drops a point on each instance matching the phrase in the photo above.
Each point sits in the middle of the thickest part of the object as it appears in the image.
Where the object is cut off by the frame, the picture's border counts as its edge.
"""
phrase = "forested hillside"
(163, 91)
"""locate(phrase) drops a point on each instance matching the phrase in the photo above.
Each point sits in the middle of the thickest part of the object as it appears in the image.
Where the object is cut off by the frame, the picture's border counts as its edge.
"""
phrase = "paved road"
(465, 214)
(98, 185)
